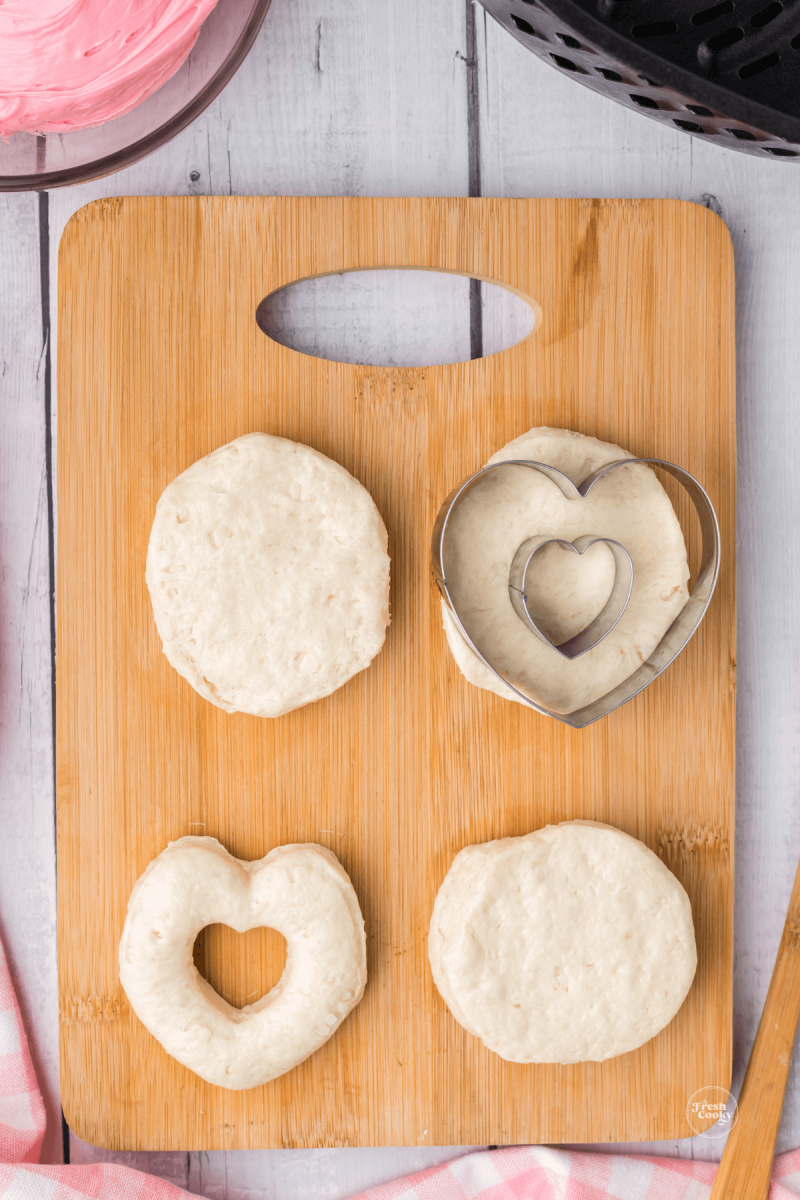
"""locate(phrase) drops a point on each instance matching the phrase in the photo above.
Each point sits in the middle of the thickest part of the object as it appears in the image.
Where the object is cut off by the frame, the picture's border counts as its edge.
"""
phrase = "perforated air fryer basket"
(729, 70)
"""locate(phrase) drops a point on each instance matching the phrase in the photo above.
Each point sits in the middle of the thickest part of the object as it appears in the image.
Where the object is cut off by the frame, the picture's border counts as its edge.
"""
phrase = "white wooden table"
(410, 97)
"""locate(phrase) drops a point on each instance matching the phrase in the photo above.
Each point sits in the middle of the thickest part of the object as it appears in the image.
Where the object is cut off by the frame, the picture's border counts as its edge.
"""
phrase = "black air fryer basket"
(728, 70)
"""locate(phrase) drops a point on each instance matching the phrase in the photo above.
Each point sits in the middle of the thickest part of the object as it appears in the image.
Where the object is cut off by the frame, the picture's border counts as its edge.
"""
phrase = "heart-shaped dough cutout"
(304, 893)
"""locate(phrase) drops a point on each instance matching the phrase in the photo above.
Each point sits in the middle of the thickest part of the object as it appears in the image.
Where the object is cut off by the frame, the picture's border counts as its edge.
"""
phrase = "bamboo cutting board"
(161, 361)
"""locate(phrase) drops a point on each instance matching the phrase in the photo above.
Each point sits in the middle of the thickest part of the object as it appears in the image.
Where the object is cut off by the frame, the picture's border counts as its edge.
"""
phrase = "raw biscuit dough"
(304, 893)
(628, 505)
(572, 944)
(268, 575)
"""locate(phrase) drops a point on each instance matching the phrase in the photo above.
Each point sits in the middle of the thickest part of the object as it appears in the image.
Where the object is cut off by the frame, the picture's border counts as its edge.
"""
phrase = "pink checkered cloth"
(22, 1122)
(541, 1173)
(514, 1173)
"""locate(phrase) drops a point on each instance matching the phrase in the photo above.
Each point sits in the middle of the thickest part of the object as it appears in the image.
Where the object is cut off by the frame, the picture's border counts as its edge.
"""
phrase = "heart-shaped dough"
(629, 505)
(304, 893)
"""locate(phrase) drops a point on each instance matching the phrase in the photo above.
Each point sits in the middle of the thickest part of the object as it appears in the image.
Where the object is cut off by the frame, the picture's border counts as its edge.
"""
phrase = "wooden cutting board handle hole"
(397, 317)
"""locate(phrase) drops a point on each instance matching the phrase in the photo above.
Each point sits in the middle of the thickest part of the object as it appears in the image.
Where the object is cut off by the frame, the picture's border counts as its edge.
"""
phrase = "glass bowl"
(30, 161)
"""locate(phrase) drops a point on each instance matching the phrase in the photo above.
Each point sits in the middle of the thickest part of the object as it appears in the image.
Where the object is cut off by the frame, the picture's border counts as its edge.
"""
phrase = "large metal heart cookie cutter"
(673, 641)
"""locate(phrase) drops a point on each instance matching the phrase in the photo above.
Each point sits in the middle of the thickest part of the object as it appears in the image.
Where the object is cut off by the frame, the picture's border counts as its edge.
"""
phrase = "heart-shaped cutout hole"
(241, 967)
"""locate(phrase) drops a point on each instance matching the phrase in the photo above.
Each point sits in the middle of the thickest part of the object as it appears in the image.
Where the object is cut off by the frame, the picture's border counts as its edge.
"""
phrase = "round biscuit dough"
(268, 575)
(628, 505)
(572, 944)
(304, 893)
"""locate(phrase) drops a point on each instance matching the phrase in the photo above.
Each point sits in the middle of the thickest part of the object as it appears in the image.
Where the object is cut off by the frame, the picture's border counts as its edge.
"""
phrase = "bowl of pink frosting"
(89, 86)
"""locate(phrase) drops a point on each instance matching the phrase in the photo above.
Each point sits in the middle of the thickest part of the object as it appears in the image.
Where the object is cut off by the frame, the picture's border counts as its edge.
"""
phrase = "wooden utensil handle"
(747, 1159)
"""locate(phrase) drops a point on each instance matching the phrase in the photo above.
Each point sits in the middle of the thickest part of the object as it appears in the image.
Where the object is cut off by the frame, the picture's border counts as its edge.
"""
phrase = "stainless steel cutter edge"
(679, 632)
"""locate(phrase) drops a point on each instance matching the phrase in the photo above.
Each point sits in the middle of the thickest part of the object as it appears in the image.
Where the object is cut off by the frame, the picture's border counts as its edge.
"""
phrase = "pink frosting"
(69, 64)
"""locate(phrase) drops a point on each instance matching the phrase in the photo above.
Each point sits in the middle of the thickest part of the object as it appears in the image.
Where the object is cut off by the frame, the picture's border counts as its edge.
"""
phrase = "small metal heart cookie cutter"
(589, 637)
(673, 641)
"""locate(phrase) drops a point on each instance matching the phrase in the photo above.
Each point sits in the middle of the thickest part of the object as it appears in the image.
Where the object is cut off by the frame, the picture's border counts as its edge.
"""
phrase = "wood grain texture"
(161, 361)
(744, 1171)
(343, 99)
(542, 135)
(386, 122)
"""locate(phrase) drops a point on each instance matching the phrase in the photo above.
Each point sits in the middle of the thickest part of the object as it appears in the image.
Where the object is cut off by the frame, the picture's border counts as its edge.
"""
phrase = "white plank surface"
(27, 862)
(351, 97)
